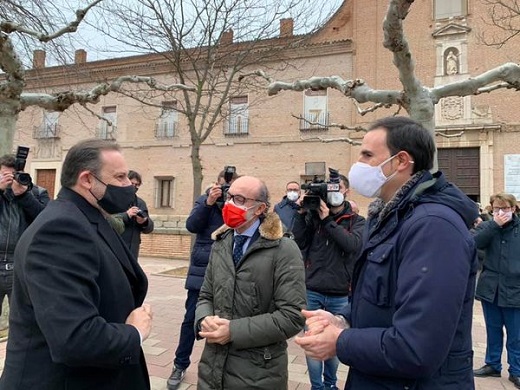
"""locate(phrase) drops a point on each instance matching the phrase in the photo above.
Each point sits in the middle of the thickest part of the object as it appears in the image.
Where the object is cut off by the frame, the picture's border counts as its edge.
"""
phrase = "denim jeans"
(496, 319)
(322, 374)
(187, 336)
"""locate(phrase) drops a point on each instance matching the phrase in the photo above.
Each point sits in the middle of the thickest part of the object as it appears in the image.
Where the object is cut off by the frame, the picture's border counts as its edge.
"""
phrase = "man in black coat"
(136, 219)
(77, 315)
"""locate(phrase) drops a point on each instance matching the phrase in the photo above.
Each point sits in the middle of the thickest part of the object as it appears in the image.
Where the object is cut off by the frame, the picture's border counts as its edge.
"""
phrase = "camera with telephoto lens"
(229, 172)
(20, 176)
(318, 189)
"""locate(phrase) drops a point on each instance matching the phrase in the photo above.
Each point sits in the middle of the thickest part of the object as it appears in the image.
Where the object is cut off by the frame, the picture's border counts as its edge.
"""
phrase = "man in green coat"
(251, 299)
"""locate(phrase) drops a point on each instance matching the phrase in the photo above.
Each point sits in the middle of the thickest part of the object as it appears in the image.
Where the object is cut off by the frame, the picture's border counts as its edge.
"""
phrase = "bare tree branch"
(508, 73)
(328, 140)
(331, 125)
(60, 101)
(9, 27)
(363, 111)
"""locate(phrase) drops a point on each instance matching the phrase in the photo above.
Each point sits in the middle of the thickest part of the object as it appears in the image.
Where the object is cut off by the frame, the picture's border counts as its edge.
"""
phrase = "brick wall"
(169, 239)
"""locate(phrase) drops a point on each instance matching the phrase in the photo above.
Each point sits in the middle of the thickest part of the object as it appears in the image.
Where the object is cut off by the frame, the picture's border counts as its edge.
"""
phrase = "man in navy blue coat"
(411, 314)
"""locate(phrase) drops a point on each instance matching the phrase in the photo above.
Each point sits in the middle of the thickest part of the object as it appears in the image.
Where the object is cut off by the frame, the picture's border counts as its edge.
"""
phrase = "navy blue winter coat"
(203, 220)
(499, 281)
(287, 210)
(413, 293)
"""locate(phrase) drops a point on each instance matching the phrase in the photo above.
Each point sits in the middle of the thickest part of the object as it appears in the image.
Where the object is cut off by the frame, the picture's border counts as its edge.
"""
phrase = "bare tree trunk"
(8, 118)
(197, 169)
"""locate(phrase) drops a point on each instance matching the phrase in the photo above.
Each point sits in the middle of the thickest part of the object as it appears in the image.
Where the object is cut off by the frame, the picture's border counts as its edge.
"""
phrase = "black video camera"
(318, 189)
(229, 172)
(20, 176)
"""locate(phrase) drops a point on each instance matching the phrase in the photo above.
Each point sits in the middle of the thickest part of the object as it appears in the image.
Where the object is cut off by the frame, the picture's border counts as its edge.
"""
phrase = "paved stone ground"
(167, 295)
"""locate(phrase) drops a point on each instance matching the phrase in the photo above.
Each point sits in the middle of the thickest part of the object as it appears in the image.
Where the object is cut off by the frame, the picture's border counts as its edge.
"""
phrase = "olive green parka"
(262, 298)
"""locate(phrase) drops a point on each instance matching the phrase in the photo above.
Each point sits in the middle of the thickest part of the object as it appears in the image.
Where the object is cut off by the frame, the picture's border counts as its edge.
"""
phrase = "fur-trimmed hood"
(271, 228)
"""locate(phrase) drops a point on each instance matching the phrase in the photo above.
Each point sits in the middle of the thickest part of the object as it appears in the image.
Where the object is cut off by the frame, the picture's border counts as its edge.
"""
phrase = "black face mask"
(116, 199)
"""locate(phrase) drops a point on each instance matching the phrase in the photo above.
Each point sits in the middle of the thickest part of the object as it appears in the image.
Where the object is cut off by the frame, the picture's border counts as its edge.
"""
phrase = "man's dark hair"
(292, 182)
(406, 134)
(84, 156)
(135, 176)
(222, 172)
(7, 160)
(345, 181)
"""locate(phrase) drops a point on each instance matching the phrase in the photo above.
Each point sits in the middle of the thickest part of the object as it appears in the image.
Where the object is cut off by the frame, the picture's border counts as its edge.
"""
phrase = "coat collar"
(112, 239)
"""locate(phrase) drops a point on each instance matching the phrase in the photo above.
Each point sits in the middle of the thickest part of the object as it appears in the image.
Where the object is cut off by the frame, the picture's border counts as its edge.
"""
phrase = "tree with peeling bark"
(415, 98)
(209, 44)
(21, 27)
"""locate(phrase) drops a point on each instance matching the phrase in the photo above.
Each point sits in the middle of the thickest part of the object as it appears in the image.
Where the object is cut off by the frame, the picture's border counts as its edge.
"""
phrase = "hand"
(477, 222)
(324, 210)
(501, 219)
(140, 220)
(18, 189)
(214, 193)
(299, 202)
(321, 346)
(6, 180)
(132, 211)
(317, 320)
(215, 330)
(141, 318)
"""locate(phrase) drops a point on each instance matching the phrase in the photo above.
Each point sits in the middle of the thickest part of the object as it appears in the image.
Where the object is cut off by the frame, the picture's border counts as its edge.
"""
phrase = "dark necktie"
(239, 246)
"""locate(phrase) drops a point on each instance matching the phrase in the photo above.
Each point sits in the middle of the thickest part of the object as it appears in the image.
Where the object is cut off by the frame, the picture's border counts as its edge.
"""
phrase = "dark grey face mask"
(116, 199)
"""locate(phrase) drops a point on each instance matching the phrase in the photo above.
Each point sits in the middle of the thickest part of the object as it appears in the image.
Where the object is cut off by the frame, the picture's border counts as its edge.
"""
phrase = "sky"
(99, 46)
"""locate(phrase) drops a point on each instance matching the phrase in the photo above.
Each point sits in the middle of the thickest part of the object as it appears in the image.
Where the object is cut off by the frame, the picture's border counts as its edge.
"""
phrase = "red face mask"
(233, 215)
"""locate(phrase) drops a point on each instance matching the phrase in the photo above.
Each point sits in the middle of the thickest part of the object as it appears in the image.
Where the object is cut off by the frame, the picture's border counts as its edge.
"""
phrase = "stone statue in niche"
(452, 63)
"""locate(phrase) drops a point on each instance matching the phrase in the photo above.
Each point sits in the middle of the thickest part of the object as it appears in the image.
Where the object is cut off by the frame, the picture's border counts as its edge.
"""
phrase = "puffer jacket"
(16, 213)
(263, 299)
(203, 221)
(500, 276)
(413, 293)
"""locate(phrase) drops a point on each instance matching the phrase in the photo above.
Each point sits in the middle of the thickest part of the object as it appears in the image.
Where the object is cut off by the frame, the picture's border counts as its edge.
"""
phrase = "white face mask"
(509, 214)
(293, 196)
(368, 180)
(335, 198)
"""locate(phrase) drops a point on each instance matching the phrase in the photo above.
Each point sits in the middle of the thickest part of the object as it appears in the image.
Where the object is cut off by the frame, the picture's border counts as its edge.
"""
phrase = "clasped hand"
(321, 335)
(215, 330)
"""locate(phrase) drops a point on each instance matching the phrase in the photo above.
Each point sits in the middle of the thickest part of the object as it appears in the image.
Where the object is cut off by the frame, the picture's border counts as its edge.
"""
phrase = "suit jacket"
(75, 283)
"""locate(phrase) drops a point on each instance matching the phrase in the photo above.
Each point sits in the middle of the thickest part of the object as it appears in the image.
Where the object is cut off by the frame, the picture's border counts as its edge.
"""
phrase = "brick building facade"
(268, 142)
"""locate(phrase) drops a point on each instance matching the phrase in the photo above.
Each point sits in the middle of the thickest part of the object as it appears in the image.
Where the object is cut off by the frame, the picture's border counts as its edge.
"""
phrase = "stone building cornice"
(158, 64)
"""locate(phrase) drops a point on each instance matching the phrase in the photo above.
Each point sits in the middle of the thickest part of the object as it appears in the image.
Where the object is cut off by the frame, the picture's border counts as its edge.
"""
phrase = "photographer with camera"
(18, 208)
(136, 219)
(329, 234)
(204, 219)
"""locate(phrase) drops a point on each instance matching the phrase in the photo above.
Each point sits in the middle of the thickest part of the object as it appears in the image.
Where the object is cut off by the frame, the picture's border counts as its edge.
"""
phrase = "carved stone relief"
(452, 108)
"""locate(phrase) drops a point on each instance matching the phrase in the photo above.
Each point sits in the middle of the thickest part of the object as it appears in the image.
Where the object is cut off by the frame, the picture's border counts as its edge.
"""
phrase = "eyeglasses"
(497, 209)
(239, 200)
